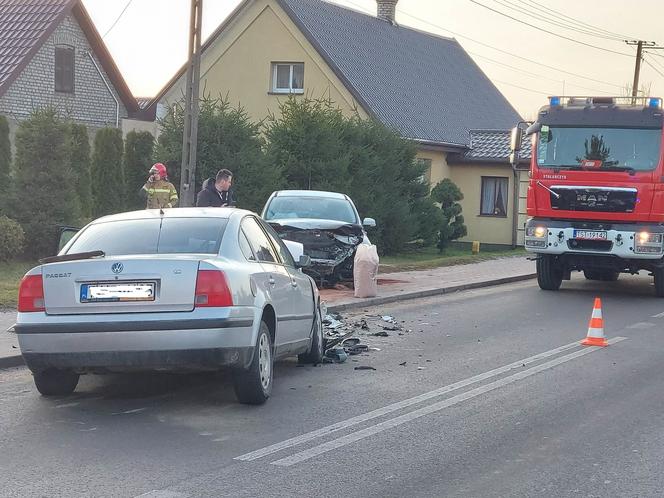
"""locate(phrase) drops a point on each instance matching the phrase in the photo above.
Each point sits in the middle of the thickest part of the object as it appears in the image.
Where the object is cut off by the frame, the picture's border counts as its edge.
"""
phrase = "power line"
(563, 24)
(584, 24)
(653, 67)
(550, 32)
(523, 88)
(536, 75)
(532, 61)
(655, 61)
(117, 19)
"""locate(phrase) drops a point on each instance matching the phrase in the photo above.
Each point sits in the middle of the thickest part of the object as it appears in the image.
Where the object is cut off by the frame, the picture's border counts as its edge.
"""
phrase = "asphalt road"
(496, 398)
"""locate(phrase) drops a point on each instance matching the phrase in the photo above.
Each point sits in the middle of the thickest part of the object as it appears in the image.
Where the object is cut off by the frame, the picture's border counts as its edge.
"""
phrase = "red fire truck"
(596, 189)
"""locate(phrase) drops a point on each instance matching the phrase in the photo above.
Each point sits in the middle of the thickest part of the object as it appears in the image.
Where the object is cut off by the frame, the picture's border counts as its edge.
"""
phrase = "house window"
(64, 69)
(288, 78)
(494, 196)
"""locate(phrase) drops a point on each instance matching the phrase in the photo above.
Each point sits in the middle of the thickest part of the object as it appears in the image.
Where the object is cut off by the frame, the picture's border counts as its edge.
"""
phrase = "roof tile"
(425, 86)
(23, 23)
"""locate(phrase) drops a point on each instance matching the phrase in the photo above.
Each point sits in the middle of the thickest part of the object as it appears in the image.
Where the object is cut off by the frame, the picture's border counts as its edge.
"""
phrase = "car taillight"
(31, 294)
(212, 289)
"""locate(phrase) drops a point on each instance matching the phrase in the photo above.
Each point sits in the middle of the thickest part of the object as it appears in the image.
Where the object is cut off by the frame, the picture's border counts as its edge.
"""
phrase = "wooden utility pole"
(640, 45)
(192, 85)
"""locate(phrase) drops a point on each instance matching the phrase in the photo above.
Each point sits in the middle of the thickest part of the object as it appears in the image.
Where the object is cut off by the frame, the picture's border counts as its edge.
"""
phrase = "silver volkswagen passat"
(177, 290)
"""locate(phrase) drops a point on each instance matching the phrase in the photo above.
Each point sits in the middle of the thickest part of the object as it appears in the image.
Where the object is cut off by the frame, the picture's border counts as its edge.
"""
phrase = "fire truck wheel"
(658, 273)
(549, 274)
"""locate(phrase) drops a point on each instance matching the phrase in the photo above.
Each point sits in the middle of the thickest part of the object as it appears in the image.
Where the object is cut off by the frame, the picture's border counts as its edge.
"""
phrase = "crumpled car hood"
(331, 244)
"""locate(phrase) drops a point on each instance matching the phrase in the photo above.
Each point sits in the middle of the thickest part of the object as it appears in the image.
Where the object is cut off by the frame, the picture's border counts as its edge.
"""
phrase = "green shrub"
(5, 163)
(79, 158)
(226, 139)
(44, 194)
(317, 147)
(139, 148)
(448, 195)
(12, 239)
(107, 172)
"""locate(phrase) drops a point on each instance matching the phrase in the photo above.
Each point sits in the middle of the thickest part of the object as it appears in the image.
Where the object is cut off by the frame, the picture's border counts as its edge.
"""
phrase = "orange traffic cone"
(596, 327)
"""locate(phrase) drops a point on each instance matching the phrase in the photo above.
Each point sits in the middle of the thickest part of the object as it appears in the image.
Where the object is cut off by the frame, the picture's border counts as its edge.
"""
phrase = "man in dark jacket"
(217, 191)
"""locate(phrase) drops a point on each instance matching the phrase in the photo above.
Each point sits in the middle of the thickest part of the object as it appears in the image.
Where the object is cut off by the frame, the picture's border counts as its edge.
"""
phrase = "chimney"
(386, 10)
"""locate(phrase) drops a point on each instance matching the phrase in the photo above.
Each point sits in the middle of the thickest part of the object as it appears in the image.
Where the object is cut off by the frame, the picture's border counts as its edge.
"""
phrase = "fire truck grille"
(614, 200)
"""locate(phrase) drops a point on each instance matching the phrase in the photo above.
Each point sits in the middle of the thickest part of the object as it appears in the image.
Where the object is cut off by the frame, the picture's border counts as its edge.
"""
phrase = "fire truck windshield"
(603, 149)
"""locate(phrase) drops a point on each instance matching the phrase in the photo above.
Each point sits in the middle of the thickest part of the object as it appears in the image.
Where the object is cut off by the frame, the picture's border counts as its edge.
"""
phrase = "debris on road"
(403, 364)
(364, 367)
(344, 335)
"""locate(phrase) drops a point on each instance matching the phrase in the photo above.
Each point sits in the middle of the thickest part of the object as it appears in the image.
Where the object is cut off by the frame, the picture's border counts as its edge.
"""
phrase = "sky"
(149, 41)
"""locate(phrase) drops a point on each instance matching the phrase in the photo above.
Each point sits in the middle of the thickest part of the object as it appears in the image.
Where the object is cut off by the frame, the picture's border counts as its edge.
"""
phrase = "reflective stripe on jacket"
(160, 194)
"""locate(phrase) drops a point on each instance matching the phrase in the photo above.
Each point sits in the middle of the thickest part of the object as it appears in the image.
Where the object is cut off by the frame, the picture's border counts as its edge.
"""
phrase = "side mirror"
(295, 248)
(66, 234)
(533, 128)
(369, 222)
(303, 262)
(515, 139)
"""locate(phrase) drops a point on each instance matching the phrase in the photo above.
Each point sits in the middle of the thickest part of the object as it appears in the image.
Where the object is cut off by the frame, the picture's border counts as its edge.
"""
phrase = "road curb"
(11, 362)
(376, 301)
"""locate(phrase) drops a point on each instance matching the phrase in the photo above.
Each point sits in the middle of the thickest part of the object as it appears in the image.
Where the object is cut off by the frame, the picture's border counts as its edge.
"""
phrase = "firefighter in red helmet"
(159, 191)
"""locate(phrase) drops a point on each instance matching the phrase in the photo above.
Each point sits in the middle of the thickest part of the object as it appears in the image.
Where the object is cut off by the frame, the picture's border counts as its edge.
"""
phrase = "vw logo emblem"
(117, 267)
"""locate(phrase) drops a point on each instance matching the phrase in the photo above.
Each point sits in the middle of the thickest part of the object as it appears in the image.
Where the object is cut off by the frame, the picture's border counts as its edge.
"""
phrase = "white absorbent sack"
(365, 271)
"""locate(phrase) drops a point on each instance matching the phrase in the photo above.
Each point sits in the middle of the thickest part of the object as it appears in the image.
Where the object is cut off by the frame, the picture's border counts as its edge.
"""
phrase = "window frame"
(60, 68)
(290, 90)
(506, 198)
(242, 234)
(273, 236)
(277, 256)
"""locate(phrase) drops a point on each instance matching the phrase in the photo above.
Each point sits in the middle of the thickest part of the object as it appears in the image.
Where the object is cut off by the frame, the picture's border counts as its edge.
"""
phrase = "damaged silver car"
(326, 224)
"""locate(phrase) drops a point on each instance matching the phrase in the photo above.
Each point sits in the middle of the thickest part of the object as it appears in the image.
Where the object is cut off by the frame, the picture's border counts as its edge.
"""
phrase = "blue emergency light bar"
(650, 102)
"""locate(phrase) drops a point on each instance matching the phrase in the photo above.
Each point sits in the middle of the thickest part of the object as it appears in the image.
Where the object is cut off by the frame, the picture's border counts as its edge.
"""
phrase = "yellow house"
(422, 85)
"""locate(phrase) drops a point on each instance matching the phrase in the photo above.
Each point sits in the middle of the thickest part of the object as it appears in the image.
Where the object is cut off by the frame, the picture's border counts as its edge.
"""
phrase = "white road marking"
(137, 410)
(162, 493)
(288, 443)
(658, 315)
(426, 410)
(641, 325)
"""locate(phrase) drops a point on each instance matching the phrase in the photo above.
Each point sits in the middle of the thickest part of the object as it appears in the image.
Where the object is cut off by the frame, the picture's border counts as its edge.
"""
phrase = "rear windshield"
(153, 236)
(318, 208)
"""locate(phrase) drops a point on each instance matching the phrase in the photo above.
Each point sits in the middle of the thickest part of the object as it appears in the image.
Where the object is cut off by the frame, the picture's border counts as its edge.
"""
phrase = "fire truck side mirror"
(515, 139)
(533, 128)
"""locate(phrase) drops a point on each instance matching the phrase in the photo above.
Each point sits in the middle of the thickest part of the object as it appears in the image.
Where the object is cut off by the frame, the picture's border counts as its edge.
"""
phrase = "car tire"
(658, 274)
(549, 275)
(254, 385)
(54, 382)
(315, 354)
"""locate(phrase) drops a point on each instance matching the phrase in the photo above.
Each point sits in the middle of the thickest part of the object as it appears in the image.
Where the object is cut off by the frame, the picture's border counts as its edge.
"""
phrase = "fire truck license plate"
(590, 235)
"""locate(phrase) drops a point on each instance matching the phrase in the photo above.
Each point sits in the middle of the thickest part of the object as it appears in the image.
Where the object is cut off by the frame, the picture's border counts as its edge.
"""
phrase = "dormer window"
(288, 77)
(64, 69)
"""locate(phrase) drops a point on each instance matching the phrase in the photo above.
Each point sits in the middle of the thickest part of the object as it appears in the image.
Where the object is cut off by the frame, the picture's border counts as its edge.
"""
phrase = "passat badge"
(117, 267)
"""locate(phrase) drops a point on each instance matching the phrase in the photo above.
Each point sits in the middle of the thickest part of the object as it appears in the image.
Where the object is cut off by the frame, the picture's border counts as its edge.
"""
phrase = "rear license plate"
(590, 234)
(117, 292)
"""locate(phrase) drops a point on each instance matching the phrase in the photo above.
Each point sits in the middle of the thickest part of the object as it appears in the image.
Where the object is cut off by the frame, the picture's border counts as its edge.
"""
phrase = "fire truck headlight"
(648, 243)
(538, 232)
